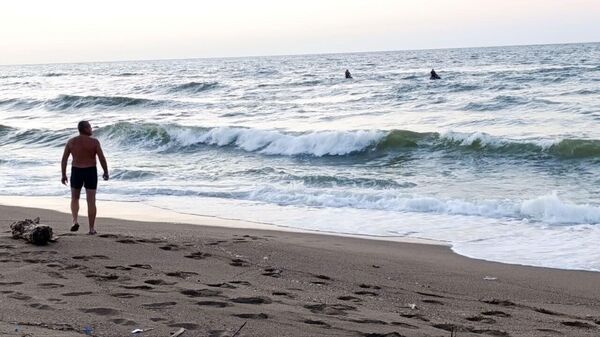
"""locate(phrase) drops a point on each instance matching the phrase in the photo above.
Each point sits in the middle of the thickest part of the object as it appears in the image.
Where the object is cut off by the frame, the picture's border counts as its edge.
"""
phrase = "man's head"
(84, 128)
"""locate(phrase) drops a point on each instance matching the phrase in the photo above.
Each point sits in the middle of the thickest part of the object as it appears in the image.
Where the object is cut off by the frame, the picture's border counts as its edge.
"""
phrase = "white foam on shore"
(139, 211)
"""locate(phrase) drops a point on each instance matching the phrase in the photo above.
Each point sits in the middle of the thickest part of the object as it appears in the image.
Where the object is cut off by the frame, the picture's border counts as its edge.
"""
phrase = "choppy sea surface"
(500, 158)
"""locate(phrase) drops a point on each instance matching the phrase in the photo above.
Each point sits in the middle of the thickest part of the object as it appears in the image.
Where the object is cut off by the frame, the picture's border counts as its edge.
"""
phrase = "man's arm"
(63, 164)
(102, 161)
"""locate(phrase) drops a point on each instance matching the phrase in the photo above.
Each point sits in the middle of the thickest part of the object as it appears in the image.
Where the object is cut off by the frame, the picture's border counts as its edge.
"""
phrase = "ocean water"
(500, 158)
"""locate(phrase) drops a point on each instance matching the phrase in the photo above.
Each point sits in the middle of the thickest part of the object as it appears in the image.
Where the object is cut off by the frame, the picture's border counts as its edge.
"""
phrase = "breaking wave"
(194, 87)
(176, 137)
(342, 143)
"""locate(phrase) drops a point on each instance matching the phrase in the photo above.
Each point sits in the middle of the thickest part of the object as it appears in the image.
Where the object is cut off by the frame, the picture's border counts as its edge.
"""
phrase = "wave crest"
(176, 137)
(70, 102)
(194, 87)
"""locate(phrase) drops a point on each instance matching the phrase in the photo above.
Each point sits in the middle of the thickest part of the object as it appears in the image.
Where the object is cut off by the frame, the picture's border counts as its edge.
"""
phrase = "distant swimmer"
(348, 75)
(434, 75)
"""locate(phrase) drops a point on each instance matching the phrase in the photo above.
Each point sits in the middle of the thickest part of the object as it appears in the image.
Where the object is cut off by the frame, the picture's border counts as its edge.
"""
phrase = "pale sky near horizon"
(38, 31)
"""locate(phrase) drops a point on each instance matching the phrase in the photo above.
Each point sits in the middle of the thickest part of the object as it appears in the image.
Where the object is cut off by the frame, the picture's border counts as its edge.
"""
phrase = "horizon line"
(299, 54)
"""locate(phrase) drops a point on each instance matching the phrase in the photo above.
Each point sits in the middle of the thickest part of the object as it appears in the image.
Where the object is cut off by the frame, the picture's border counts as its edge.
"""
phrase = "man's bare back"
(84, 150)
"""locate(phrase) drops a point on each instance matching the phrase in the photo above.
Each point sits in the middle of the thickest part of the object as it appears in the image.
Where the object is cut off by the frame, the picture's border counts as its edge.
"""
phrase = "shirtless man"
(84, 149)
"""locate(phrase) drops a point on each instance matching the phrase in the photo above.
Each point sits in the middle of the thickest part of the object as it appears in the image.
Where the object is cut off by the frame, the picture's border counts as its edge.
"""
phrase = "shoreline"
(211, 280)
(138, 211)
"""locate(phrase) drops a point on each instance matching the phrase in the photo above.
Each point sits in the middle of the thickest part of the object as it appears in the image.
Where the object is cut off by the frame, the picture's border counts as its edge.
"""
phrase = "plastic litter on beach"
(490, 278)
(136, 331)
(413, 306)
(178, 332)
(88, 330)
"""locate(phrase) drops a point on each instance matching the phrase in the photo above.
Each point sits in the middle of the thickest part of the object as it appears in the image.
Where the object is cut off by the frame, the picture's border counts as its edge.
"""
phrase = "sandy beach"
(212, 280)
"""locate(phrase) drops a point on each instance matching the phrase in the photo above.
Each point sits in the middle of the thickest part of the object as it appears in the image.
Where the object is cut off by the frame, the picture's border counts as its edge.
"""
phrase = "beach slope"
(213, 280)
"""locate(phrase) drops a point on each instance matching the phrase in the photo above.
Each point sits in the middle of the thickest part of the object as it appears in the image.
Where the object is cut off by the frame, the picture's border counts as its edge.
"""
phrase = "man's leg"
(75, 193)
(91, 203)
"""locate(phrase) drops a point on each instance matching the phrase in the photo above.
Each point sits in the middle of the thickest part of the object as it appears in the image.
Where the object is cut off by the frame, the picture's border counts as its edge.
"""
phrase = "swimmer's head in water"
(84, 128)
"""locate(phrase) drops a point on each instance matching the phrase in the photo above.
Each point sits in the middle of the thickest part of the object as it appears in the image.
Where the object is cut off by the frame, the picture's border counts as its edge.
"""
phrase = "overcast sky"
(47, 31)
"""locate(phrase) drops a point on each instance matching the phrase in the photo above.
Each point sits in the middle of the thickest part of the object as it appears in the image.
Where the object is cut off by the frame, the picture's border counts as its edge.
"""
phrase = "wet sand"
(212, 280)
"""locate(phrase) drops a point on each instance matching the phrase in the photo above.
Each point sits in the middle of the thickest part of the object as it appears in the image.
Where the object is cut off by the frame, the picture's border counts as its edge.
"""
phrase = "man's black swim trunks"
(87, 177)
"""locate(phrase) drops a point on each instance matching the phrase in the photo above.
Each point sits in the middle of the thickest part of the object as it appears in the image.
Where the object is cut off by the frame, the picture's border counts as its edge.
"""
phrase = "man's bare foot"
(75, 227)
(92, 232)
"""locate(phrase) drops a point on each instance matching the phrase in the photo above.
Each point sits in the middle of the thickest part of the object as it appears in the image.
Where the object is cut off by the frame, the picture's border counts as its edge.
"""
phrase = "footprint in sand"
(19, 296)
(252, 316)
(405, 325)
(221, 285)
(415, 316)
(57, 300)
(369, 286)
(129, 241)
(101, 311)
(284, 294)
(215, 304)
(124, 295)
(367, 321)
(315, 322)
(123, 321)
(252, 300)
(578, 324)
(429, 294)
(555, 332)
(90, 257)
(170, 247)
(489, 332)
(159, 305)
(36, 260)
(366, 293)
(433, 302)
(50, 285)
(330, 309)
(323, 277)
(40, 306)
(108, 236)
(272, 272)
(100, 277)
(377, 334)
(159, 282)
(481, 319)
(219, 333)
(182, 274)
(504, 303)
(137, 287)
(151, 240)
(198, 255)
(123, 268)
(141, 266)
(495, 313)
(187, 326)
(244, 283)
(10, 284)
(239, 263)
(214, 243)
(350, 298)
(200, 292)
(77, 293)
